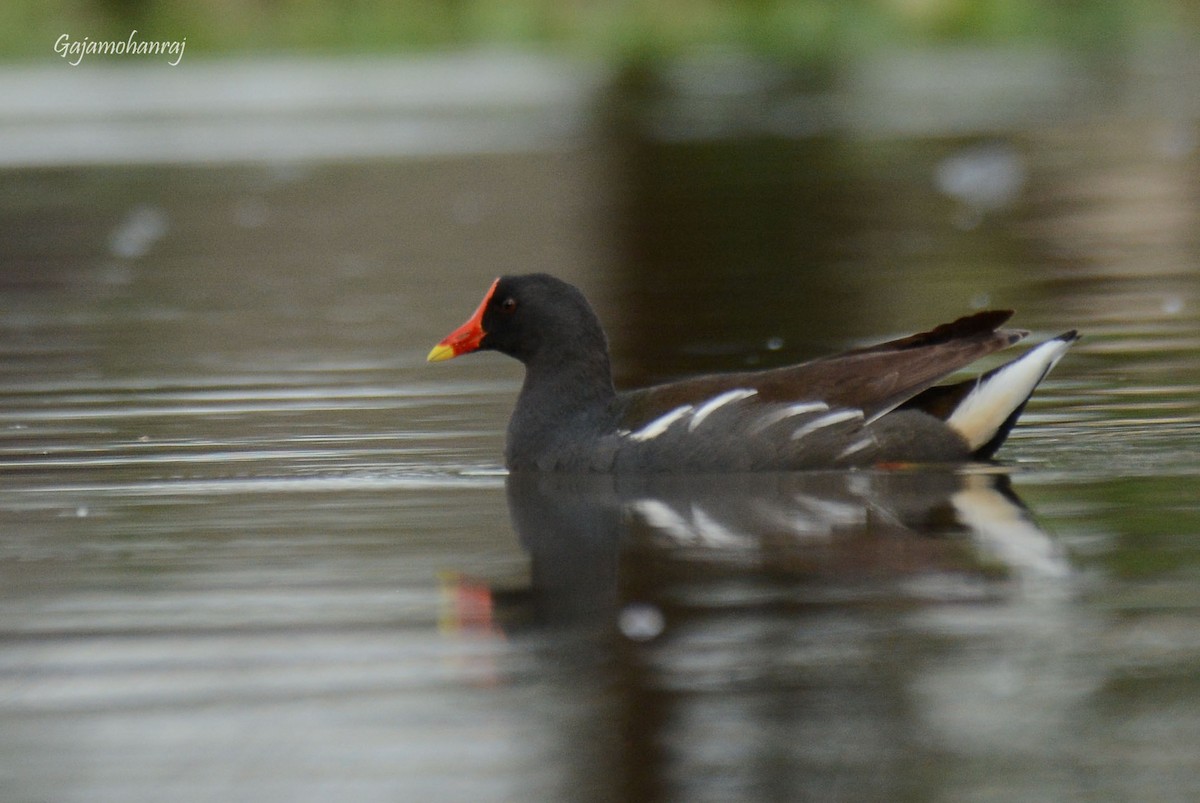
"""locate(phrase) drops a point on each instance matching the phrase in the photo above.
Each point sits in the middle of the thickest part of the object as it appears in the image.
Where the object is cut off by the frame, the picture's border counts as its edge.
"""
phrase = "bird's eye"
(508, 306)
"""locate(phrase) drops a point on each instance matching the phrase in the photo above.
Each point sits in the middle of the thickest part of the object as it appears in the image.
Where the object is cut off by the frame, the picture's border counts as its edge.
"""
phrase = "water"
(256, 549)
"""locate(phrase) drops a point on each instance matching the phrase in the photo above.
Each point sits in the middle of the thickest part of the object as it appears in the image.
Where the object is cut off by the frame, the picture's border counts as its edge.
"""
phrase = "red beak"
(465, 338)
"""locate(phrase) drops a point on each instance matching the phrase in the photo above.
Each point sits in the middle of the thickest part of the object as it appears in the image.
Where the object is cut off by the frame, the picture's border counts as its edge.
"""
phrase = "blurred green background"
(792, 30)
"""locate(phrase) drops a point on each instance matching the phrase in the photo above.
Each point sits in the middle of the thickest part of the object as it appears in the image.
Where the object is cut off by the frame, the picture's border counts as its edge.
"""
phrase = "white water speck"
(138, 232)
(640, 621)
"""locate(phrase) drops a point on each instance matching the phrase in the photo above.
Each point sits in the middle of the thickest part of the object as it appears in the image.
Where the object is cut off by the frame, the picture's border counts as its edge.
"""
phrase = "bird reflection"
(599, 544)
(791, 636)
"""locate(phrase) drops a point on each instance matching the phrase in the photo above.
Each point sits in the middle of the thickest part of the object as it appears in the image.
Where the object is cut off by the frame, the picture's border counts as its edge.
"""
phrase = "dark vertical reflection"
(754, 245)
(730, 249)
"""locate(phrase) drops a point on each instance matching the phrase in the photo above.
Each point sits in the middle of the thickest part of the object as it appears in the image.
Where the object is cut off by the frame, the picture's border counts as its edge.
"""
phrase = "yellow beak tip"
(440, 352)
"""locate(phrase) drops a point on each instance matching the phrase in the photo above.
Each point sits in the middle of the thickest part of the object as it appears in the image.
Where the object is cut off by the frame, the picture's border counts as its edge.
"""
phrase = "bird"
(874, 406)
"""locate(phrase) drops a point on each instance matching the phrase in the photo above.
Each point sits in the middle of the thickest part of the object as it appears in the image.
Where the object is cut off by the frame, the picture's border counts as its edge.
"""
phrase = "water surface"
(256, 549)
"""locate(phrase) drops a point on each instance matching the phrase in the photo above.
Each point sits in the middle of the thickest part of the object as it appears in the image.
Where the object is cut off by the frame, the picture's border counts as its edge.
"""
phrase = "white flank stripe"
(713, 533)
(659, 425)
(836, 417)
(981, 413)
(706, 409)
(662, 516)
(700, 529)
(857, 446)
(773, 418)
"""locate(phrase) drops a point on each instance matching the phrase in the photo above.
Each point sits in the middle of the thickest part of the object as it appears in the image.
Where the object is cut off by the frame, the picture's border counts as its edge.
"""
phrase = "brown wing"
(874, 379)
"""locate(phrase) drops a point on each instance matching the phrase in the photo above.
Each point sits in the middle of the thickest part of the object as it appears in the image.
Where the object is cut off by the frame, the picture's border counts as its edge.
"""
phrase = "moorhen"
(868, 406)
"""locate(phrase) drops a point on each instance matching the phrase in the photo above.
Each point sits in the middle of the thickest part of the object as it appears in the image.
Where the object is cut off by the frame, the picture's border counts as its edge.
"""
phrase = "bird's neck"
(563, 397)
(564, 383)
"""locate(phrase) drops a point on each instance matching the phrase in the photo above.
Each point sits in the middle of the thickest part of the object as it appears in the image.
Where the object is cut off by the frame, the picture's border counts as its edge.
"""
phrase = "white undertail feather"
(1003, 531)
(989, 404)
